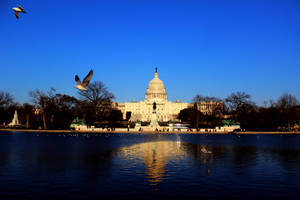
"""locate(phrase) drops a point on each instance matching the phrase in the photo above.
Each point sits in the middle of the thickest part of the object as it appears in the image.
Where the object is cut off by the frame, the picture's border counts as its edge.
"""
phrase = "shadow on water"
(131, 166)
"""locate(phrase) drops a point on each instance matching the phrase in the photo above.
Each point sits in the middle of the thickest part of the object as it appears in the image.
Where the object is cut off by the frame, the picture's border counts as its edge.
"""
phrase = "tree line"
(52, 110)
(284, 114)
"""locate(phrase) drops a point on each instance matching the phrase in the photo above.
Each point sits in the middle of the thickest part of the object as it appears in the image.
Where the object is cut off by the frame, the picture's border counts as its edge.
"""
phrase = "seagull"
(17, 10)
(82, 86)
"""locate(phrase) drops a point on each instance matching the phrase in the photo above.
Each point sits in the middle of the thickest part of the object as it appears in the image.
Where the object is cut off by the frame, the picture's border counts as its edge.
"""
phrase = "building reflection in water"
(157, 155)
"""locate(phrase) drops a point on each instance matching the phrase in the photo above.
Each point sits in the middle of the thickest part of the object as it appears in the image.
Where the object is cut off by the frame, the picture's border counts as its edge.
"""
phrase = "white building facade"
(156, 92)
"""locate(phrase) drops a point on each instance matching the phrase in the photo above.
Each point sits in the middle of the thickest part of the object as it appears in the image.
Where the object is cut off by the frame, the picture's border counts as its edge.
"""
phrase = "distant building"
(210, 107)
(166, 110)
(156, 92)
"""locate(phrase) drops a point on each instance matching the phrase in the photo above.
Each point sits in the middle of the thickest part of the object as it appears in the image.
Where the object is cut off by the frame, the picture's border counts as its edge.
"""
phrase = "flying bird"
(82, 86)
(17, 10)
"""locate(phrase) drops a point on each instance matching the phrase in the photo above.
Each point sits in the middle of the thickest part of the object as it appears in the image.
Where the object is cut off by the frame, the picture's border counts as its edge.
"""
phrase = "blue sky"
(210, 47)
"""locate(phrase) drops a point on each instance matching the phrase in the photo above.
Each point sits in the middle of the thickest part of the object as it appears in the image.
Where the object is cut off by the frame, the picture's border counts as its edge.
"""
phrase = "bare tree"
(96, 93)
(100, 98)
(287, 104)
(236, 102)
(27, 112)
(287, 101)
(7, 104)
(241, 107)
(41, 100)
(5, 99)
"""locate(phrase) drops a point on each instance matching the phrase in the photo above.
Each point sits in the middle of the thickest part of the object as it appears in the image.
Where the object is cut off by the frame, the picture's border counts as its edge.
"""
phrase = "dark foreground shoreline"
(132, 131)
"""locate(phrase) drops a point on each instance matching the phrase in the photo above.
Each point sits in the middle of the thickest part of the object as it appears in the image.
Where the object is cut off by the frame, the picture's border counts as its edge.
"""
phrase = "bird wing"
(77, 79)
(22, 9)
(17, 14)
(87, 79)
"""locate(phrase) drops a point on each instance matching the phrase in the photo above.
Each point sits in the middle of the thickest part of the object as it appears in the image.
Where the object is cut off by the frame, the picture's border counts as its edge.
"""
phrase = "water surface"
(146, 166)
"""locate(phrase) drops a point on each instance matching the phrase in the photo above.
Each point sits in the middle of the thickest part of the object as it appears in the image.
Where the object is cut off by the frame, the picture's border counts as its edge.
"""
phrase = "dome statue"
(156, 90)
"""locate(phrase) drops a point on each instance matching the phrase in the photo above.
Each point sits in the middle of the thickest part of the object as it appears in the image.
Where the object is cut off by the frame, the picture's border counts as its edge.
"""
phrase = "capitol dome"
(156, 90)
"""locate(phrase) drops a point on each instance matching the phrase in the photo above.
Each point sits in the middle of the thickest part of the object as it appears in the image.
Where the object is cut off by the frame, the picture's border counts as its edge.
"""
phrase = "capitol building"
(156, 93)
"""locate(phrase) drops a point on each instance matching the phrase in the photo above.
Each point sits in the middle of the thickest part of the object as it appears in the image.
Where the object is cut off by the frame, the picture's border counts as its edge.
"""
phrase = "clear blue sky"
(205, 47)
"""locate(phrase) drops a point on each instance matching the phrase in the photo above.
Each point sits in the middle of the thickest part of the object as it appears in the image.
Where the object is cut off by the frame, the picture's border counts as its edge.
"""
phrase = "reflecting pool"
(147, 166)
